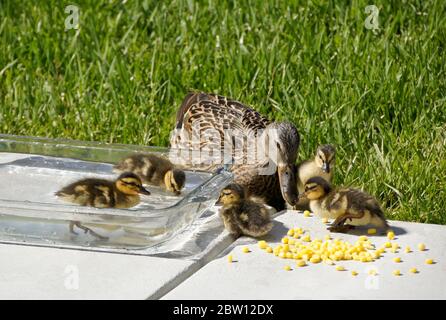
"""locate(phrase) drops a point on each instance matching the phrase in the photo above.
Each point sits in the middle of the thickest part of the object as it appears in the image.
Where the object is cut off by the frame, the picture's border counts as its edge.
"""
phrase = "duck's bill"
(288, 184)
(302, 196)
(326, 167)
(143, 190)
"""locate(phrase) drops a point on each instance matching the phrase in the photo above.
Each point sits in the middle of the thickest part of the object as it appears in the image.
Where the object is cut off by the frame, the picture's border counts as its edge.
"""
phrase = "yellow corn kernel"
(429, 261)
(269, 250)
(315, 260)
(408, 250)
(282, 255)
(396, 272)
(298, 231)
(388, 245)
(339, 255)
(290, 232)
(276, 253)
(413, 270)
(287, 268)
(395, 245)
(354, 273)
(301, 263)
(285, 240)
(262, 244)
(421, 247)
(306, 238)
(327, 237)
(371, 231)
(340, 268)
(397, 259)
(291, 241)
(286, 248)
(390, 235)
(246, 250)
(393, 250)
(362, 238)
(288, 255)
(307, 213)
(372, 272)
(329, 262)
(230, 258)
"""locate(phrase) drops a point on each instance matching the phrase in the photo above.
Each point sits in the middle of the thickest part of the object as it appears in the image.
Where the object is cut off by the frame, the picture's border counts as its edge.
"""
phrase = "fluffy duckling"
(122, 193)
(349, 207)
(242, 216)
(154, 170)
(321, 165)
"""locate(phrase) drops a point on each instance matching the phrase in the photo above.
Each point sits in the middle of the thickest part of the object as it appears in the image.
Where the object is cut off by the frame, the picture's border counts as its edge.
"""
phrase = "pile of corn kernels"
(299, 246)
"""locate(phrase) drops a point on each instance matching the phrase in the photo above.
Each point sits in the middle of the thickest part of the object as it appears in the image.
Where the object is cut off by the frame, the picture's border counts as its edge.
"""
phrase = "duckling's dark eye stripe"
(130, 183)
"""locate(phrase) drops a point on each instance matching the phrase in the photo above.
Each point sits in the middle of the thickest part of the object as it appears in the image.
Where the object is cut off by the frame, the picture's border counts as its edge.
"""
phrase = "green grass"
(380, 97)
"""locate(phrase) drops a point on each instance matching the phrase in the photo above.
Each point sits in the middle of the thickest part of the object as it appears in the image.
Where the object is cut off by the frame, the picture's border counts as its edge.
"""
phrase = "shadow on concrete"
(381, 233)
(277, 232)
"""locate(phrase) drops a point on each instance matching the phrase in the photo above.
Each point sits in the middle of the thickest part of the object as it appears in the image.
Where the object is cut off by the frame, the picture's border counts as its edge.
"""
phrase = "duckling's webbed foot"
(340, 228)
(86, 230)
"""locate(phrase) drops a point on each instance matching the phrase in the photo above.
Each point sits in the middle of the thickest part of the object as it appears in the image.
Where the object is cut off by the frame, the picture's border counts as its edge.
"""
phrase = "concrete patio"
(28, 272)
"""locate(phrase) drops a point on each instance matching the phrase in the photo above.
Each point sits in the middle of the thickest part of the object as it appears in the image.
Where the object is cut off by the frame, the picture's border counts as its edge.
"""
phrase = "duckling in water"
(321, 166)
(122, 193)
(154, 170)
(242, 216)
(349, 207)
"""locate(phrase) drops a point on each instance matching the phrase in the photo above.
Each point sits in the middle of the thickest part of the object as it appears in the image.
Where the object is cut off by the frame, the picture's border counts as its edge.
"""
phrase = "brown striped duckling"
(242, 216)
(154, 170)
(322, 165)
(349, 207)
(99, 193)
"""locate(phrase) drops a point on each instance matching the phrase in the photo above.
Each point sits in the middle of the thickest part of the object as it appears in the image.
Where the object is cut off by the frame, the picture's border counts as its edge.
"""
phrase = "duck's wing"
(213, 122)
(218, 111)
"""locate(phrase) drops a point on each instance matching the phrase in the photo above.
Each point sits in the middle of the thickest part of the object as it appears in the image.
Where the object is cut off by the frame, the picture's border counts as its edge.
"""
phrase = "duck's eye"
(278, 146)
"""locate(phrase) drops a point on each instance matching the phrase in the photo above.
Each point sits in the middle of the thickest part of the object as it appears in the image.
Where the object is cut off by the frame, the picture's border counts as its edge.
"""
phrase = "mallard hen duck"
(213, 130)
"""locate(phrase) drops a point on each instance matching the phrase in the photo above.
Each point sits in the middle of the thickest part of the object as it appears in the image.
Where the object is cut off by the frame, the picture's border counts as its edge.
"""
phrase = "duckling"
(122, 193)
(242, 216)
(154, 170)
(349, 207)
(321, 166)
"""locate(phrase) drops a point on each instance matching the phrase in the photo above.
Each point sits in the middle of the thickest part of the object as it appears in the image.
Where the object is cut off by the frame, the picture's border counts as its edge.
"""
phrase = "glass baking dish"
(32, 169)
